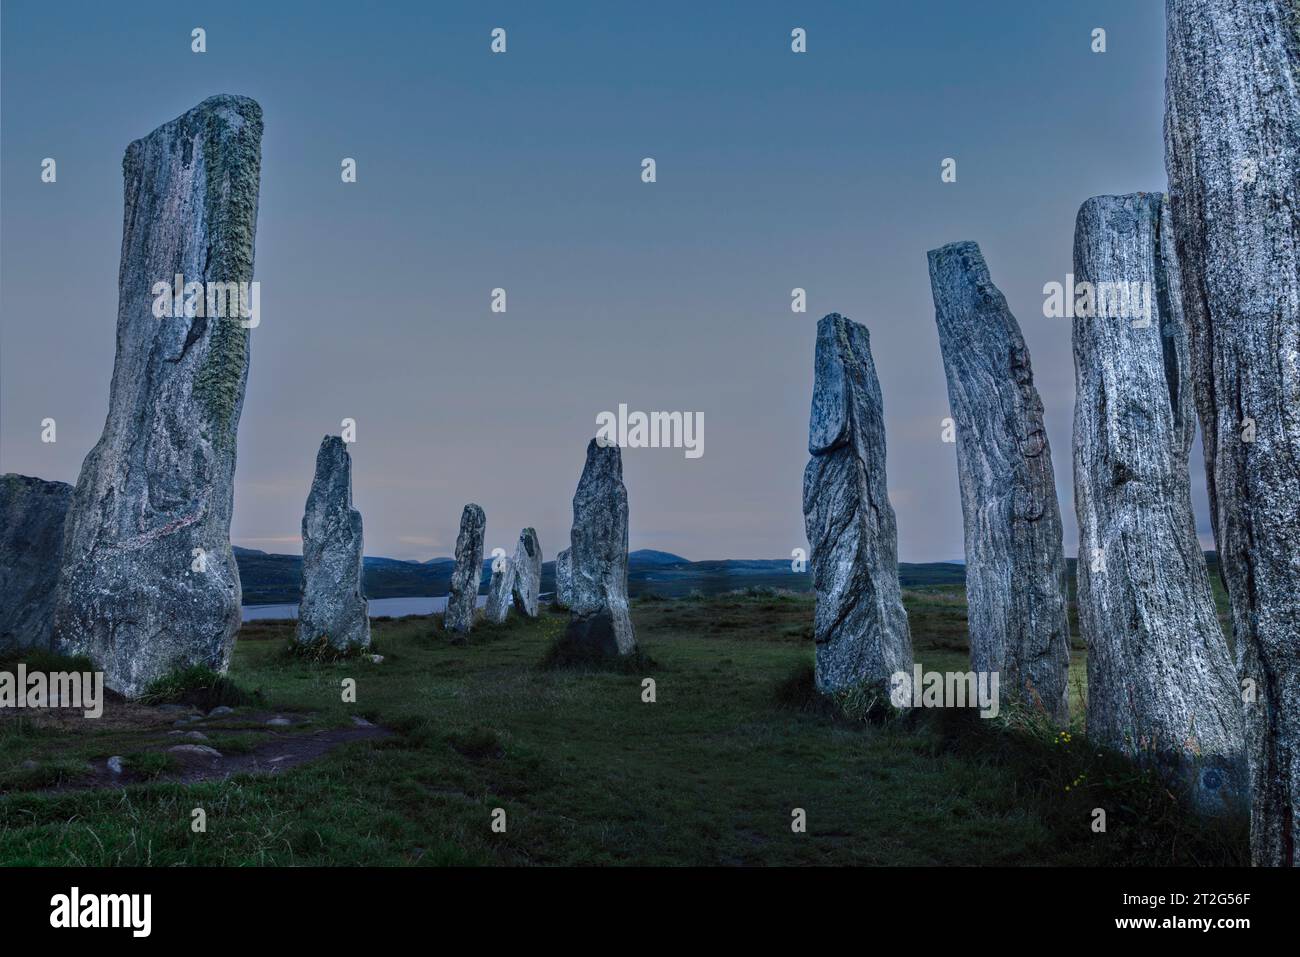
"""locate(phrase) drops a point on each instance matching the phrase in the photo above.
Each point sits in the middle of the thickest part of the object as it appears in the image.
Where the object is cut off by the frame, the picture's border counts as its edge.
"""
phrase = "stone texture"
(528, 572)
(332, 605)
(500, 590)
(564, 578)
(1161, 686)
(160, 482)
(860, 626)
(462, 598)
(599, 623)
(1015, 567)
(1232, 136)
(32, 513)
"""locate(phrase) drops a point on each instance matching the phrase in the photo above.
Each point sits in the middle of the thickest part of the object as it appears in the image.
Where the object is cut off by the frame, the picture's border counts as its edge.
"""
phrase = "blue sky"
(522, 171)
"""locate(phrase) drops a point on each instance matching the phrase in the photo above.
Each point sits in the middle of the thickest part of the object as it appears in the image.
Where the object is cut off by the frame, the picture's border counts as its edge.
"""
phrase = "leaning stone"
(500, 588)
(333, 606)
(1161, 686)
(1232, 137)
(32, 512)
(860, 627)
(564, 579)
(600, 624)
(1015, 566)
(462, 598)
(149, 582)
(528, 573)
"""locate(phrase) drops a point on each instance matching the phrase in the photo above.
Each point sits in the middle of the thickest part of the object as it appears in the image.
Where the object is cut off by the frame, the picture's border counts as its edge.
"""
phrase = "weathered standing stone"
(564, 578)
(500, 590)
(528, 572)
(1161, 686)
(462, 598)
(149, 581)
(600, 624)
(860, 626)
(332, 607)
(32, 513)
(1232, 137)
(1015, 566)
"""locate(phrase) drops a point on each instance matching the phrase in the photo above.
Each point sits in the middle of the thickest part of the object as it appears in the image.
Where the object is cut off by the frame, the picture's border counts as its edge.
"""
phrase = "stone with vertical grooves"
(462, 596)
(564, 579)
(1161, 685)
(528, 573)
(32, 515)
(860, 626)
(600, 624)
(333, 607)
(500, 590)
(1232, 149)
(136, 594)
(1015, 566)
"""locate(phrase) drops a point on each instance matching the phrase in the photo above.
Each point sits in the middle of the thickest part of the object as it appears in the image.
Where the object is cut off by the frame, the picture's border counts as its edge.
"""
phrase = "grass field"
(585, 771)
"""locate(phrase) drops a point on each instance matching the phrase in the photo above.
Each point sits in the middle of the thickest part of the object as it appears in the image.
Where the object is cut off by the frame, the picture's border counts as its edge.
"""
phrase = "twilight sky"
(522, 171)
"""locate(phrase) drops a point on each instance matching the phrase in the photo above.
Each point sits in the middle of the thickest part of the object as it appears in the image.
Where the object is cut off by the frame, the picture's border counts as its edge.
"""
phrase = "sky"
(523, 171)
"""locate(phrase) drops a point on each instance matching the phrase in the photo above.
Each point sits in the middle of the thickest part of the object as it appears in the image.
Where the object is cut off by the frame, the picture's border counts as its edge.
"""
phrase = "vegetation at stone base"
(322, 650)
(588, 774)
(198, 686)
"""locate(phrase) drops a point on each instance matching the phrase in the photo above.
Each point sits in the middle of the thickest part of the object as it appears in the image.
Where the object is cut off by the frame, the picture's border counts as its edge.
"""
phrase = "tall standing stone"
(149, 581)
(500, 590)
(1232, 138)
(1161, 686)
(600, 624)
(528, 573)
(32, 514)
(1015, 566)
(333, 607)
(860, 626)
(564, 578)
(462, 598)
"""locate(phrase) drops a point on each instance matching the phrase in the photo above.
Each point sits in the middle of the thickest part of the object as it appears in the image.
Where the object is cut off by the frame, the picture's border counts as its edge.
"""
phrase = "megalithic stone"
(1232, 148)
(600, 623)
(564, 578)
(333, 607)
(1015, 566)
(860, 626)
(1161, 686)
(149, 581)
(528, 572)
(500, 590)
(462, 598)
(32, 515)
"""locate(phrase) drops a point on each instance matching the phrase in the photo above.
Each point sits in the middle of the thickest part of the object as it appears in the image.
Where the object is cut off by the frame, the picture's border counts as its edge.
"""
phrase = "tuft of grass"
(477, 743)
(198, 686)
(321, 651)
(149, 764)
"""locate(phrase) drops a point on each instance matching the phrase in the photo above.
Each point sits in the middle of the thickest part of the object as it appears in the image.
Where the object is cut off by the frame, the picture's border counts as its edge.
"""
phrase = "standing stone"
(528, 572)
(1232, 138)
(462, 598)
(500, 590)
(149, 582)
(860, 626)
(564, 579)
(332, 606)
(1015, 567)
(600, 624)
(1161, 686)
(32, 513)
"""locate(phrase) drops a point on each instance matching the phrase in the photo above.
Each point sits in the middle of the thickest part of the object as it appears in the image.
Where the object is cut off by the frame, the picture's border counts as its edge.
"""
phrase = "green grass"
(589, 774)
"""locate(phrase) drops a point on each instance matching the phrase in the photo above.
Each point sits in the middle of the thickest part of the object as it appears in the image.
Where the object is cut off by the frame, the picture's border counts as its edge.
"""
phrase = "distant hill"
(648, 556)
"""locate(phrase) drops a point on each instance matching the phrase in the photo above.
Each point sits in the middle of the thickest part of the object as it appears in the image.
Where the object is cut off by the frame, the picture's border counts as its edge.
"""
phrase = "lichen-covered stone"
(860, 626)
(32, 513)
(528, 573)
(1161, 686)
(149, 582)
(462, 597)
(333, 607)
(600, 624)
(1015, 566)
(1232, 136)
(564, 579)
(500, 590)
